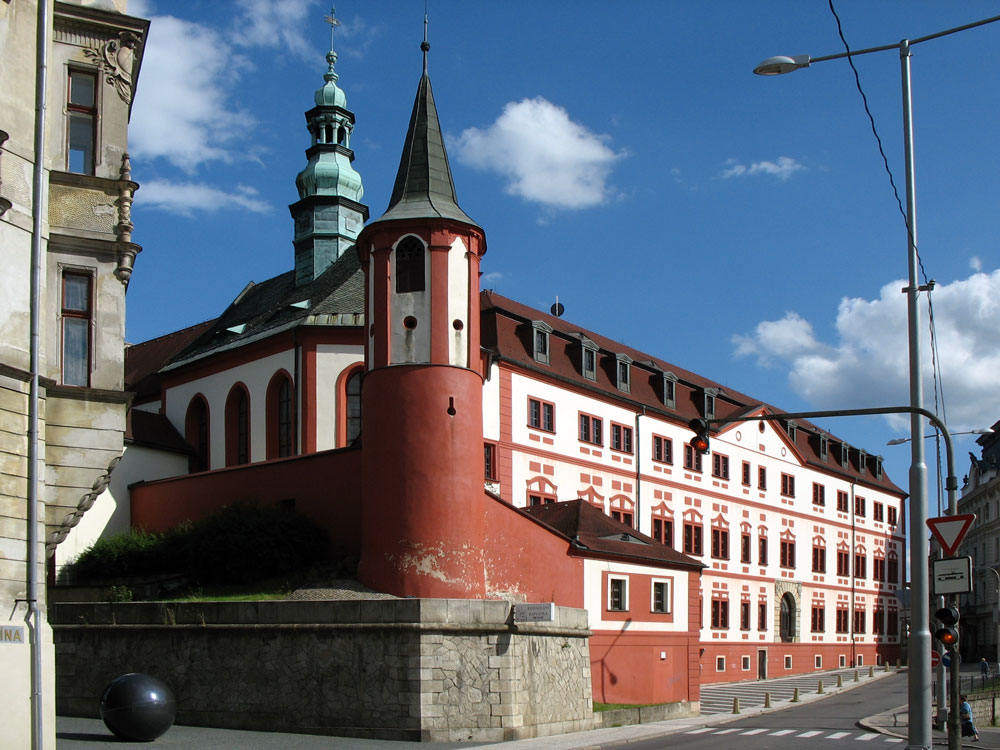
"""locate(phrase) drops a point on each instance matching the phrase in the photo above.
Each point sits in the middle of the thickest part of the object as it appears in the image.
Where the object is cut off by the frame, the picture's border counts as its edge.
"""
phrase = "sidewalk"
(895, 723)
(91, 734)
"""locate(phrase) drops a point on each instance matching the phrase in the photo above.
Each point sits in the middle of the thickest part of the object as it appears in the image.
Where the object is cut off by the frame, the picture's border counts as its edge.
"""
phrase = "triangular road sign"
(950, 531)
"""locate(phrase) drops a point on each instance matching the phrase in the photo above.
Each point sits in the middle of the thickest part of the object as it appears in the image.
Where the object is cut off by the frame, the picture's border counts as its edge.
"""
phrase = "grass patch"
(598, 707)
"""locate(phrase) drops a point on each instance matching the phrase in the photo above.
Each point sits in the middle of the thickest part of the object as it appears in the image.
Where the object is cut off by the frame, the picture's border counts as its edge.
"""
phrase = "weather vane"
(333, 21)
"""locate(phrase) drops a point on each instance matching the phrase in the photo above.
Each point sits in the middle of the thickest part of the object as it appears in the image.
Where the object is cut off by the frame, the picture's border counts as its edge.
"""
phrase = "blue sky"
(620, 156)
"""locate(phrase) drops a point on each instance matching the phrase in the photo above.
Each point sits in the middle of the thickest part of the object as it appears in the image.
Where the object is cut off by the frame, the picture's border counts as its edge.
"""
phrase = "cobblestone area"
(344, 588)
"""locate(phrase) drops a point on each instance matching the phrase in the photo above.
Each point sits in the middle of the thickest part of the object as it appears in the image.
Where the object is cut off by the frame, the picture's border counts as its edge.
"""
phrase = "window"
(892, 623)
(762, 551)
(591, 429)
(238, 426)
(860, 565)
(692, 458)
(196, 434)
(541, 415)
(661, 597)
(692, 538)
(878, 467)
(744, 615)
(892, 570)
(663, 531)
(791, 429)
(818, 661)
(624, 372)
(878, 512)
(621, 438)
(535, 498)
(745, 663)
(720, 544)
(817, 622)
(77, 311)
(352, 395)
(762, 616)
(787, 553)
(878, 568)
(842, 621)
(824, 447)
(709, 403)
(618, 594)
(878, 622)
(842, 501)
(746, 474)
(720, 613)
(788, 485)
(669, 390)
(588, 359)
(859, 506)
(82, 126)
(859, 621)
(410, 266)
(862, 461)
(280, 417)
(819, 494)
(490, 462)
(663, 450)
(720, 663)
(761, 478)
(843, 563)
(621, 510)
(745, 548)
(720, 466)
(819, 560)
(540, 339)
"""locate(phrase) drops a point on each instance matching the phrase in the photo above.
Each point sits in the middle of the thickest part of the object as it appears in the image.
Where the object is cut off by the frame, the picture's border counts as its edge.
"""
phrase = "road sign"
(952, 575)
(935, 659)
(946, 660)
(950, 531)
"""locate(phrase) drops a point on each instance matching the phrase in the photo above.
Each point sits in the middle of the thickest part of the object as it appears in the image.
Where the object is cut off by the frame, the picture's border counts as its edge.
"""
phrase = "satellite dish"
(557, 309)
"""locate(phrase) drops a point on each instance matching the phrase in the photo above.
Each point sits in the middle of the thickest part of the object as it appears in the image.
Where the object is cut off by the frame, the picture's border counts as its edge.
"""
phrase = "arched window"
(280, 416)
(787, 623)
(196, 433)
(353, 395)
(410, 266)
(238, 426)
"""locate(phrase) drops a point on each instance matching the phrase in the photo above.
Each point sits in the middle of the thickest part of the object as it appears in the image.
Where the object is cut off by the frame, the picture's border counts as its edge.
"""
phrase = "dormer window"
(878, 467)
(824, 447)
(624, 368)
(845, 453)
(588, 358)
(862, 462)
(709, 406)
(540, 341)
(791, 428)
(669, 390)
(409, 266)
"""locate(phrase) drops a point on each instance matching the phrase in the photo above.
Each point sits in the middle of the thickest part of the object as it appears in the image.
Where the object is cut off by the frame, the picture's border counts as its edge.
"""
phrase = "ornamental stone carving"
(116, 58)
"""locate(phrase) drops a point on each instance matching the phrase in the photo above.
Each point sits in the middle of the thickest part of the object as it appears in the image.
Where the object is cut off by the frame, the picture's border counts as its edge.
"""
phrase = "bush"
(239, 544)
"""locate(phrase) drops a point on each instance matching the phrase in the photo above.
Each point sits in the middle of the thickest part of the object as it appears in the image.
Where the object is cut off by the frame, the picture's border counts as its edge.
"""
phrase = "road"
(832, 720)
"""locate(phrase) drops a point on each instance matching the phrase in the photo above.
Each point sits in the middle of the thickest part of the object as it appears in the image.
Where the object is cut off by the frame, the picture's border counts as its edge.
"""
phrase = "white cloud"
(183, 112)
(975, 263)
(265, 23)
(491, 278)
(188, 198)
(783, 168)
(868, 364)
(545, 156)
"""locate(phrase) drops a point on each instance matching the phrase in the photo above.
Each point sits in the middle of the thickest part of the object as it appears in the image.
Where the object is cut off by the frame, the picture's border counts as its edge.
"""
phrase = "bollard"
(795, 696)
(871, 671)
(887, 666)
(840, 680)
(767, 700)
(736, 704)
(898, 663)
(857, 677)
(819, 690)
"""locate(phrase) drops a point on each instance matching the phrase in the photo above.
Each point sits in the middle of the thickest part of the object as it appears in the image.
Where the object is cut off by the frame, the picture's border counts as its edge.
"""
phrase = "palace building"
(465, 445)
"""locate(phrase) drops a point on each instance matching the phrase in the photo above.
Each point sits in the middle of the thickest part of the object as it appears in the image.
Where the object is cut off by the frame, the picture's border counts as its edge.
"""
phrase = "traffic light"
(700, 440)
(948, 635)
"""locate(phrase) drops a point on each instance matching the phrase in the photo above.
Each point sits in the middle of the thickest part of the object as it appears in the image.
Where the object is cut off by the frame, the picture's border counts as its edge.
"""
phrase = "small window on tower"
(540, 335)
(409, 266)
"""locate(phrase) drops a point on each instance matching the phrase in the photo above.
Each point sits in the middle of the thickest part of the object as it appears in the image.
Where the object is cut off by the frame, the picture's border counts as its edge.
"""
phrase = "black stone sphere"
(137, 707)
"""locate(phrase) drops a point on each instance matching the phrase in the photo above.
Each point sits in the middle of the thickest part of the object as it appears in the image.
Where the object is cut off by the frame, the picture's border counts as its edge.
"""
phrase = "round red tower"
(422, 413)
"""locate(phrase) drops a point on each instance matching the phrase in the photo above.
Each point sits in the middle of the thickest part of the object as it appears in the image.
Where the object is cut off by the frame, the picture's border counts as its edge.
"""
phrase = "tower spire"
(425, 45)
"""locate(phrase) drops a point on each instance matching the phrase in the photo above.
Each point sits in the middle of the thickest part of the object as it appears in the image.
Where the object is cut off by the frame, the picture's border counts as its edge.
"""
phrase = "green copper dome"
(330, 173)
(330, 95)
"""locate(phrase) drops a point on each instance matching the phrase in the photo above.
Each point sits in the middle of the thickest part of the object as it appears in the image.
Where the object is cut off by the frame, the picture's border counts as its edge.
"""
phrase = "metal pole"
(919, 734)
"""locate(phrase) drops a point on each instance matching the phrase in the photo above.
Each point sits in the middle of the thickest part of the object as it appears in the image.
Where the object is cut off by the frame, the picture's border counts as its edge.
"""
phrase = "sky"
(623, 158)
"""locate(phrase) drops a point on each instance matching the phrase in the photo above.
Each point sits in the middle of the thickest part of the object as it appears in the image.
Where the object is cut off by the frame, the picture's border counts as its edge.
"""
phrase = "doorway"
(762, 664)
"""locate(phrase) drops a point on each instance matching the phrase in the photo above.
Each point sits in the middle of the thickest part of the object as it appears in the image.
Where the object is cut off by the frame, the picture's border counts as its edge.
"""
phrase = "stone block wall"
(416, 669)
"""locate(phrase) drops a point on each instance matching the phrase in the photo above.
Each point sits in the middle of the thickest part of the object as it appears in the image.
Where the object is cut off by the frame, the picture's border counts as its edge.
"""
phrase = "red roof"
(143, 361)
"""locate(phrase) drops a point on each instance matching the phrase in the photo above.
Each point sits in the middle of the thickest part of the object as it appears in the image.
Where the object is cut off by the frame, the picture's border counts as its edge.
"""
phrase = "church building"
(465, 445)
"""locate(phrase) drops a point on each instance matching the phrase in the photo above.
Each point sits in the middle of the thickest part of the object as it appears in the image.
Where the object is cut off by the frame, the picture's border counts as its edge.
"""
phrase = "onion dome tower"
(329, 213)
(422, 411)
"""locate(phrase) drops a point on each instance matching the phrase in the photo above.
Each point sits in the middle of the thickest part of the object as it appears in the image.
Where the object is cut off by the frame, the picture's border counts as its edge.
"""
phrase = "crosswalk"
(805, 734)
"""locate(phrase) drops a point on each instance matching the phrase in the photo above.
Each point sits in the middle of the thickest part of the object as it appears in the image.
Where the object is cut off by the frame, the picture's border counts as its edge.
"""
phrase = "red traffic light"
(700, 440)
(948, 638)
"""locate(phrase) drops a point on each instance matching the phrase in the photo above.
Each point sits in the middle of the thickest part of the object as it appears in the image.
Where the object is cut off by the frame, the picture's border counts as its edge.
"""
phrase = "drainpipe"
(853, 570)
(37, 204)
(638, 473)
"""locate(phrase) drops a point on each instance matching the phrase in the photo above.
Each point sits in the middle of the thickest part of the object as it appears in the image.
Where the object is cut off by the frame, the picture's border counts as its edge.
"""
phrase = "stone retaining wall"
(417, 669)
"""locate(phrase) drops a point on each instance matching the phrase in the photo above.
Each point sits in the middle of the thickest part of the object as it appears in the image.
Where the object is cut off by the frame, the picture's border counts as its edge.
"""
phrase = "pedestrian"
(984, 668)
(965, 714)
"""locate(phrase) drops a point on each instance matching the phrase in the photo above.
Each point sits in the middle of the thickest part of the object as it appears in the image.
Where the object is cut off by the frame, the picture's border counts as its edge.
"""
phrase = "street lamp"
(980, 431)
(919, 688)
(996, 607)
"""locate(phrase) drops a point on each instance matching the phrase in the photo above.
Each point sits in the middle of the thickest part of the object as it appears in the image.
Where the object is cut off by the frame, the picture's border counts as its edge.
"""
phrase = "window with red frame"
(77, 313)
(720, 544)
(819, 560)
(591, 429)
(892, 571)
(842, 501)
(787, 553)
(746, 473)
(859, 621)
(843, 562)
(720, 613)
(663, 450)
(819, 494)
(490, 461)
(761, 478)
(745, 548)
(720, 466)
(692, 538)
(859, 506)
(762, 616)
(537, 498)
(541, 415)
(843, 621)
(788, 485)
(81, 110)
(237, 427)
(878, 568)
(878, 622)
(818, 619)
(622, 515)
(762, 550)
(663, 531)
(892, 623)
(878, 512)
(892, 516)
(860, 565)
(692, 458)
(621, 438)
(744, 615)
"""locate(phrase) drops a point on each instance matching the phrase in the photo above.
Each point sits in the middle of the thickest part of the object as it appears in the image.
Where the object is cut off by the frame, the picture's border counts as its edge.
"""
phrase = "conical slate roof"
(424, 187)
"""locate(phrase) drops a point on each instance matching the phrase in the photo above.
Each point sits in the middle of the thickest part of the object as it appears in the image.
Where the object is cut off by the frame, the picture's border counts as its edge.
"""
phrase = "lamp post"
(980, 431)
(919, 687)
